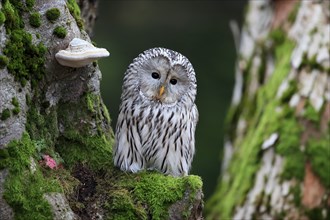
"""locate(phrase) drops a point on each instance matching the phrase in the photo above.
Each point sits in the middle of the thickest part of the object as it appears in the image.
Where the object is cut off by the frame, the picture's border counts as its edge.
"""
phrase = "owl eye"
(155, 75)
(173, 81)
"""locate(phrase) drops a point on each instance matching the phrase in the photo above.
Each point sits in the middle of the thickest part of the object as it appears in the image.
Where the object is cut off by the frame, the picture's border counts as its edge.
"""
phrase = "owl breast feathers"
(157, 116)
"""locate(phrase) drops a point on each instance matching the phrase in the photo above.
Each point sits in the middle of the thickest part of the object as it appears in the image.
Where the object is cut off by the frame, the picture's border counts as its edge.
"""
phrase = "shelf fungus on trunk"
(80, 53)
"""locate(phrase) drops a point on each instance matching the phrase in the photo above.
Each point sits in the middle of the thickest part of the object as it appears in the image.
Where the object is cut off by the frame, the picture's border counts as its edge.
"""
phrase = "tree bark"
(55, 114)
(277, 151)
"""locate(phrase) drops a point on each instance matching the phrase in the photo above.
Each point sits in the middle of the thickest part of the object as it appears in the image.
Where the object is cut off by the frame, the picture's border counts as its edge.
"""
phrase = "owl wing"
(127, 153)
(193, 119)
(188, 137)
(180, 162)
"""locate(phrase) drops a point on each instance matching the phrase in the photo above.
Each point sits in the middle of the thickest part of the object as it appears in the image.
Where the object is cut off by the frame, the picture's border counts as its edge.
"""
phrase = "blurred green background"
(197, 29)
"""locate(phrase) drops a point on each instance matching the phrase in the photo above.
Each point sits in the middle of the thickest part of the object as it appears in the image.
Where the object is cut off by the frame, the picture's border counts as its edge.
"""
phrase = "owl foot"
(134, 168)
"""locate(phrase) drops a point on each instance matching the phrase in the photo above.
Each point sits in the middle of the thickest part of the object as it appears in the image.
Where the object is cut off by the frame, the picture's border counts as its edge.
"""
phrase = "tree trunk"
(55, 135)
(277, 153)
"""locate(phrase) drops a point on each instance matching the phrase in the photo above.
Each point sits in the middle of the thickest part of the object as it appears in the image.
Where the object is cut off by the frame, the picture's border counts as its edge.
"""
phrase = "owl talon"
(134, 168)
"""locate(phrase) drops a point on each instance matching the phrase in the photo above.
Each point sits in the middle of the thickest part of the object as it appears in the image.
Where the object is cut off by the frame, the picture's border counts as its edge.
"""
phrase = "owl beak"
(161, 91)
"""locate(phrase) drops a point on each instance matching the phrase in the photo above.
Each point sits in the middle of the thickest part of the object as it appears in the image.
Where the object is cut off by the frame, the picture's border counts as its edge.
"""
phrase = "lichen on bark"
(277, 128)
(48, 109)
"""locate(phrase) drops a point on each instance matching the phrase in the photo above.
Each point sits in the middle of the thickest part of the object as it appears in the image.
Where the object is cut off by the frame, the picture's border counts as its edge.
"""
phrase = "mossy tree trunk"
(48, 111)
(276, 162)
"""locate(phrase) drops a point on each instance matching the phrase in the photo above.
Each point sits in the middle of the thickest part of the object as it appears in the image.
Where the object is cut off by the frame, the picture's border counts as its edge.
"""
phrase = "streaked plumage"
(157, 116)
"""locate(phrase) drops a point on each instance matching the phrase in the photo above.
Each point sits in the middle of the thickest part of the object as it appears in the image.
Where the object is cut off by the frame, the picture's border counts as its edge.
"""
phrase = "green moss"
(246, 106)
(73, 8)
(2, 18)
(4, 153)
(29, 4)
(97, 107)
(91, 99)
(122, 206)
(293, 14)
(53, 14)
(105, 113)
(311, 114)
(147, 195)
(310, 63)
(75, 12)
(35, 20)
(13, 20)
(278, 36)
(16, 111)
(41, 125)
(19, 5)
(263, 122)
(3, 158)
(27, 100)
(5, 114)
(289, 92)
(296, 192)
(313, 31)
(294, 166)
(315, 213)
(60, 32)
(290, 137)
(68, 183)
(314, 64)
(43, 130)
(262, 67)
(289, 146)
(15, 103)
(3, 61)
(318, 152)
(82, 142)
(163, 191)
(26, 60)
(23, 190)
(94, 151)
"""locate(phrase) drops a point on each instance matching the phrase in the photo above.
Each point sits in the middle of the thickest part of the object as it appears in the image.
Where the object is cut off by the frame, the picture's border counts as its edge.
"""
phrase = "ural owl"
(157, 116)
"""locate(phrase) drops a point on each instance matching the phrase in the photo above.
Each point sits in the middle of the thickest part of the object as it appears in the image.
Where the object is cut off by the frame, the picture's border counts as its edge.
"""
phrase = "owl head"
(161, 75)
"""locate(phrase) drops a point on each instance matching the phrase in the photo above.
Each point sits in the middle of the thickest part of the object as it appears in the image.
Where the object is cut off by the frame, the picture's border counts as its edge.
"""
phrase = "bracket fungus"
(80, 53)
